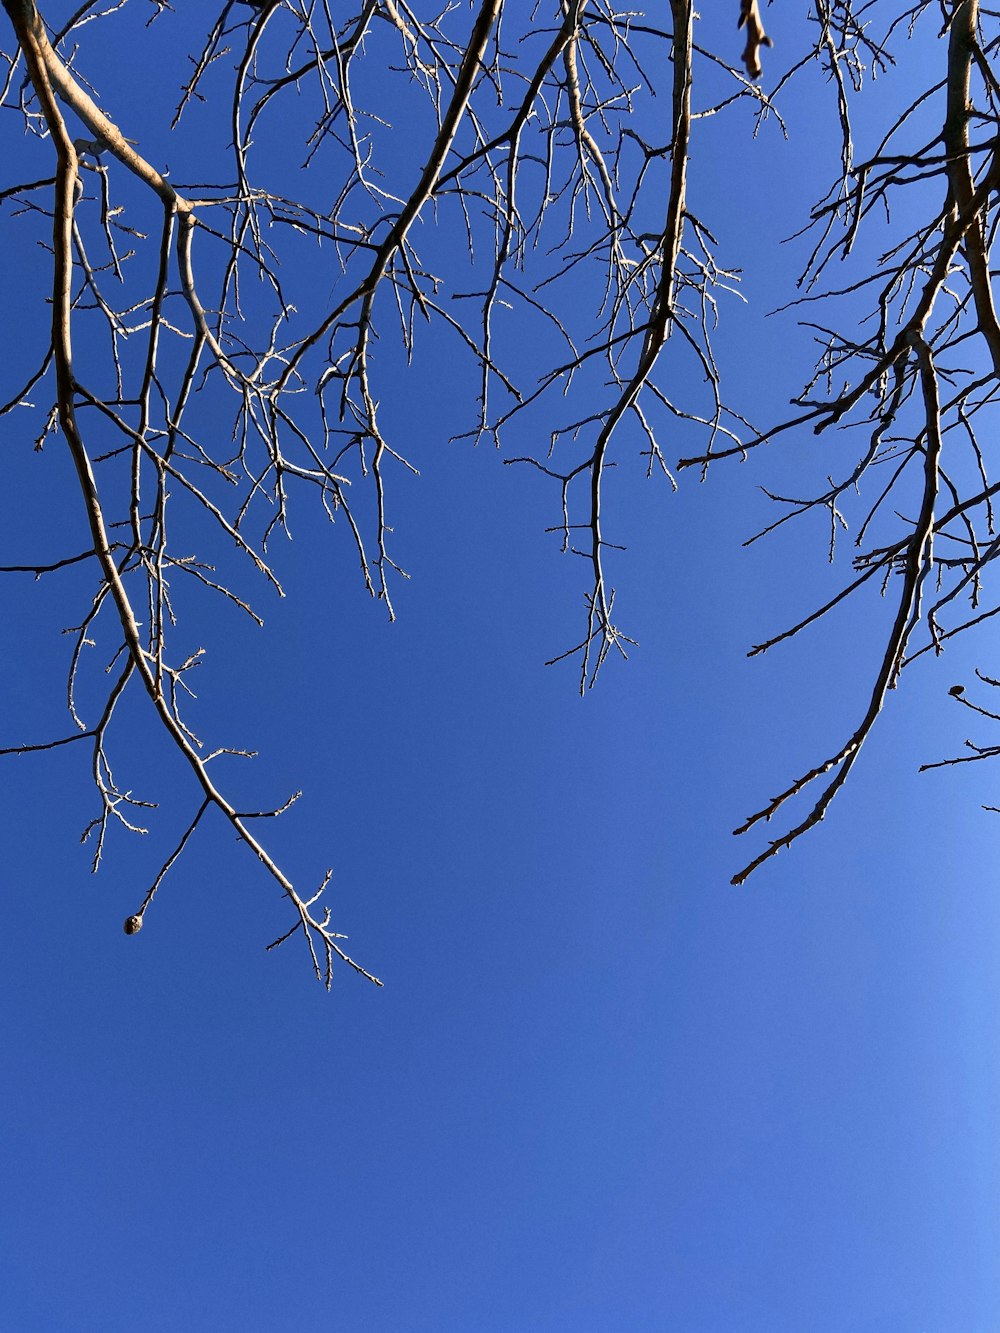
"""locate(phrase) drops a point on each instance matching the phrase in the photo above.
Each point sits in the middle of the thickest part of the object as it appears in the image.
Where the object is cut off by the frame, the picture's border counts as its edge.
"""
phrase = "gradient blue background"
(602, 1090)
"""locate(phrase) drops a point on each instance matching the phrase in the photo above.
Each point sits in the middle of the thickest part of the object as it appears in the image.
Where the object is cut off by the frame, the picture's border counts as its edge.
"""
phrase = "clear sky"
(601, 1089)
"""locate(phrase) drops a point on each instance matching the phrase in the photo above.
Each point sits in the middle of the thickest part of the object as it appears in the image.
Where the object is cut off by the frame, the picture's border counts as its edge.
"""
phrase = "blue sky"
(601, 1089)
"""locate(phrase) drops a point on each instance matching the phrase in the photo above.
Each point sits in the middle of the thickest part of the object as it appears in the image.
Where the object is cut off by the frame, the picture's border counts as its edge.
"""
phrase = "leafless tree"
(562, 204)
(915, 370)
